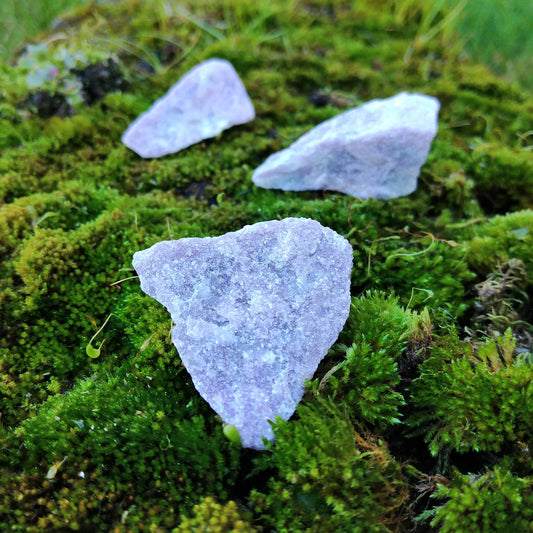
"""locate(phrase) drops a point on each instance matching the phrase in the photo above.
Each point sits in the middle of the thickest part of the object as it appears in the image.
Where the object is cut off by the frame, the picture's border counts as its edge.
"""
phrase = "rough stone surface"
(255, 311)
(373, 151)
(207, 100)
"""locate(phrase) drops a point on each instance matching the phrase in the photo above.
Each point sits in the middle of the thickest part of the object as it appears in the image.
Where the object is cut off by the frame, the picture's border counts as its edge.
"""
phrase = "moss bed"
(421, 416)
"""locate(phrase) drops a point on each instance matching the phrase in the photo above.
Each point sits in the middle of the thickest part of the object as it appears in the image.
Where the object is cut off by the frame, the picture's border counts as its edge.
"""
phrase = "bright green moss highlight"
(501, 239)
(212, 516)
(433, 363)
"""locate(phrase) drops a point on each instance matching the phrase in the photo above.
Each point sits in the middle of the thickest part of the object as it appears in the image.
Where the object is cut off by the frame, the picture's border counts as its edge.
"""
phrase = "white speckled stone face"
(372, 151)
(255, 312)
(204, 102)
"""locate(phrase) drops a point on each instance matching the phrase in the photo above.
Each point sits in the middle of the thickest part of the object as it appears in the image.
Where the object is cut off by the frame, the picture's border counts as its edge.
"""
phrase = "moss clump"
(468, 400)
(422, 268)
(120, 440)
(501, 239)
(15, 219)
(495, 501)
(211, 516)
(434, 364)
(44, 261)
(330, 477)
(377, 333)
(504, 176)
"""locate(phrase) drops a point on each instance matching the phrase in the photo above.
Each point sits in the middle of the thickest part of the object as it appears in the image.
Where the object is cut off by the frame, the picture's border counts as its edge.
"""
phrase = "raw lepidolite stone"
(255, 311)
(207, 100)
(373, 151)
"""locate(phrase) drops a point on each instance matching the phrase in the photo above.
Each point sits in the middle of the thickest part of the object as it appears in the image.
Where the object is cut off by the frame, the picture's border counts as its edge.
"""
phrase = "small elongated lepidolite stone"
(372, 151)
(255, 311)
(208, 99)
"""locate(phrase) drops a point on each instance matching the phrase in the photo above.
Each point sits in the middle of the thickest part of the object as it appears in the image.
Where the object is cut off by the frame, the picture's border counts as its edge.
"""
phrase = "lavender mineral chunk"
(207, 100)
(255, 311)
(373, 151)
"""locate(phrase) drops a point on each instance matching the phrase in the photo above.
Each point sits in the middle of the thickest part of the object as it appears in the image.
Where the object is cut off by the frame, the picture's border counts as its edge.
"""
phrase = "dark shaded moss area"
(429, 391)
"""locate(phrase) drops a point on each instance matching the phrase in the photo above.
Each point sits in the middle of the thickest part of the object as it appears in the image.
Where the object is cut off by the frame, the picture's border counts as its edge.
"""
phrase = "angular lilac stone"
(255, 311)
(207, 100)
(373, 151)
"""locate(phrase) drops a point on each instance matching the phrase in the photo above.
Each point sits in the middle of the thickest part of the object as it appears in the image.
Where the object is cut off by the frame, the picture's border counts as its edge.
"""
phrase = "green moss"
(496, 501)
(330, 477)
(210, 515)
(44, 260)
(14, 223)
(503, 175)
(118, 438)
(421, 268)
(501, 239)
(75, 204)
(468, 400)
(375, 336)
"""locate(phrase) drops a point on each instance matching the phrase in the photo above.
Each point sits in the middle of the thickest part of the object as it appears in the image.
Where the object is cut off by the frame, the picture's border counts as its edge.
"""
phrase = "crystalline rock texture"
(205, 101)
(373, 151)
(255, 311)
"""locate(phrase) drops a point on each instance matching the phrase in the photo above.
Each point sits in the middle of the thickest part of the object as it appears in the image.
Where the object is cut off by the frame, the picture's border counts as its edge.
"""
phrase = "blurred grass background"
(22, 20)
(498, 33)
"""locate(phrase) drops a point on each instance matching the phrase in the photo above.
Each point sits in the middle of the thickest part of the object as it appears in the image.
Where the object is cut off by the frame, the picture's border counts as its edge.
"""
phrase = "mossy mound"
(425, 400)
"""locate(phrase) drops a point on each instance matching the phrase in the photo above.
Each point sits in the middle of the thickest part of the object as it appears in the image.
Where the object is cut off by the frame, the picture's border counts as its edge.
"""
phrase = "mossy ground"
(420, 417)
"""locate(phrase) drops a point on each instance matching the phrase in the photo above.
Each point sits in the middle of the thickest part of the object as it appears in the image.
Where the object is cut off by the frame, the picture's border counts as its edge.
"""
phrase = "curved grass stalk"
(200, 23)
(427, 31)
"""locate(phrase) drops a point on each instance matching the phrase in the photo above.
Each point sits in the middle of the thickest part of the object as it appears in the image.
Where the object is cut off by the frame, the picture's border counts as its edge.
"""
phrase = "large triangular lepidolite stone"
(255, 311)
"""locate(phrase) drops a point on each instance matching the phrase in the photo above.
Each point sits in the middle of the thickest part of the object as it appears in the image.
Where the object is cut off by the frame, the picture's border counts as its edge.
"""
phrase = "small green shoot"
(51, 474)
(230, 431)
(141, 349)
(91, 351)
